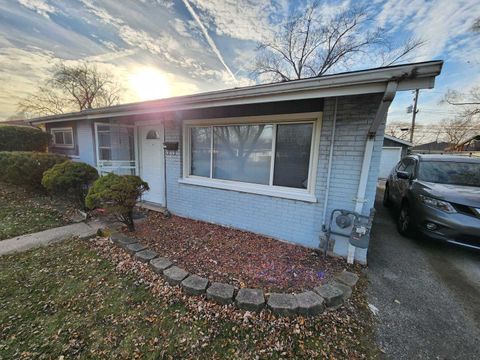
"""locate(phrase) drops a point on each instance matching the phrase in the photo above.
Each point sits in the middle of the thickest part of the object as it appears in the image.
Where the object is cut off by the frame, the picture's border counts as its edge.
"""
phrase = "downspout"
(380, 116)
(329, 167)
(166, 213)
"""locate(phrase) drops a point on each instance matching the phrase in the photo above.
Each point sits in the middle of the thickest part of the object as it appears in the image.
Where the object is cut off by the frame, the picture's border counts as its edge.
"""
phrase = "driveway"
(427, 295)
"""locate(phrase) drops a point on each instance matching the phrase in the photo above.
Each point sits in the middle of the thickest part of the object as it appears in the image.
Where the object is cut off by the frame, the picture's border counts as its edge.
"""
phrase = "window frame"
(62, 130)
(307, 195)
(102, 169)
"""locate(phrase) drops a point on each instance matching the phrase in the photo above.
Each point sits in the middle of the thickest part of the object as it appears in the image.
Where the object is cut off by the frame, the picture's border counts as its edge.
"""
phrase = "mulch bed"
(241, 258)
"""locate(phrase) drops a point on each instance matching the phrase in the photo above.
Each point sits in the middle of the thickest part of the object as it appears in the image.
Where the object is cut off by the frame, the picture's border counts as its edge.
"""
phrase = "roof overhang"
(409, 77)
(400, 141)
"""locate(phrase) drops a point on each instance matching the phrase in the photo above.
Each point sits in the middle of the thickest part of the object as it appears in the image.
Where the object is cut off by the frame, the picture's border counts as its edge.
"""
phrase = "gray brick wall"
(290, 220)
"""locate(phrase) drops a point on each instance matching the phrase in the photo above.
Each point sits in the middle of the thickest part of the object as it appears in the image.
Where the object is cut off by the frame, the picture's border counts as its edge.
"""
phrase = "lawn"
(91, 300)
(24, 211)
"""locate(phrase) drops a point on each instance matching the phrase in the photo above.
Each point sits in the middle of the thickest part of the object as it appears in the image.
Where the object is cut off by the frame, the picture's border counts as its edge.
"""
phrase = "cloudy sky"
(160, 48)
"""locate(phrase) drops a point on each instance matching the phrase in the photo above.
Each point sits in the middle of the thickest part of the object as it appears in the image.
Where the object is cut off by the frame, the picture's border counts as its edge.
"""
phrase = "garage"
(393, 150)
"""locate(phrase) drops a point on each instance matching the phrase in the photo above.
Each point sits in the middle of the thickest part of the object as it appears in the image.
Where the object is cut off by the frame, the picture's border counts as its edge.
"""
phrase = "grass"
(67, 301)
(24, 211)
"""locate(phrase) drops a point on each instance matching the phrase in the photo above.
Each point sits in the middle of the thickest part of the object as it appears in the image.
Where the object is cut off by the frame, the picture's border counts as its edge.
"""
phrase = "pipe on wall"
(329, 166)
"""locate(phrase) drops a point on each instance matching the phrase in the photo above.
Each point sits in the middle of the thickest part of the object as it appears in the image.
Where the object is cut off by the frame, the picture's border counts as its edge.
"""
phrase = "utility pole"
(414, 115)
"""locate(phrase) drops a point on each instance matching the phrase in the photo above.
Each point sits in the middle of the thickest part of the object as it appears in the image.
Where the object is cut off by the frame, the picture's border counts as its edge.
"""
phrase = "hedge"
(70, 179)
(26, 168)
(23, 138)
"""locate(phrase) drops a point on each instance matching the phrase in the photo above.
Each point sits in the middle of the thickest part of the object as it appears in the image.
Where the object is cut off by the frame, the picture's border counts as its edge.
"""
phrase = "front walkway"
(43, 238)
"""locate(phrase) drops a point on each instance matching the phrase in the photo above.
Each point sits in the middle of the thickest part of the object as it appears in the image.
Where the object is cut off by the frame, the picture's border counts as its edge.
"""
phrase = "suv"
(437, 196)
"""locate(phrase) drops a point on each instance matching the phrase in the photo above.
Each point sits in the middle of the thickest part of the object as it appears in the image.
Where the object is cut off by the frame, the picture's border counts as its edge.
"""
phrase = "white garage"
(393, 150)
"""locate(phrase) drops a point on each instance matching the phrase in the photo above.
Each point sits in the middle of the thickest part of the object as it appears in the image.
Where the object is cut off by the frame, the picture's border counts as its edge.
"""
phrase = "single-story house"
(433, 147)
(273, 159)
(394, 149)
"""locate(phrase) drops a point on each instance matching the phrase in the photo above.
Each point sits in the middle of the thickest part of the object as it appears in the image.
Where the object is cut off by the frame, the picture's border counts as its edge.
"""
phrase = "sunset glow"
(149, 83)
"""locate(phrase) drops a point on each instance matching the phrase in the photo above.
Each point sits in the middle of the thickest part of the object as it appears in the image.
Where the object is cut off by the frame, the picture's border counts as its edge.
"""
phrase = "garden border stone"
(308, 303)
(175, 275)
(283, 304)
(145, 255)
(250, 299)
(159, 264)
(135, 247)
(194, 285)
(221, 293)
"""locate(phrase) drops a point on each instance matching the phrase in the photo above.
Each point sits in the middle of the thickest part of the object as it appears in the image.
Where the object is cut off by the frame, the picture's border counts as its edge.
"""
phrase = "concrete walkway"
(43, 238)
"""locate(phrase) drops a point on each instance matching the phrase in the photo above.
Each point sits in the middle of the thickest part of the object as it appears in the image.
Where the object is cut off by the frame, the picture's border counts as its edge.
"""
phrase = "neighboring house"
(274, 159)
(433, 147)
(469, 147)
(393, 150)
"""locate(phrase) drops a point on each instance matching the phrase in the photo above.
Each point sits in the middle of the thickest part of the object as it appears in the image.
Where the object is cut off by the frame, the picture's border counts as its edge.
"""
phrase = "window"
(115, 149)
(63, 137)
(270, 158)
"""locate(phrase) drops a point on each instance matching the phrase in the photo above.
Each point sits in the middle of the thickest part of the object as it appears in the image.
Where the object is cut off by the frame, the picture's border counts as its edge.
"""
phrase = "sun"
(149, 83)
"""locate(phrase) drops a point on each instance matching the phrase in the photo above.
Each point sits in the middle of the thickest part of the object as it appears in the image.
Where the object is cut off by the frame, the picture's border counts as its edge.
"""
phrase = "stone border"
(309, 303)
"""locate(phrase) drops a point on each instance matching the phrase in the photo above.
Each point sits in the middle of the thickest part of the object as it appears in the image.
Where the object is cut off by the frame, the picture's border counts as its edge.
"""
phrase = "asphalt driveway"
(427, 295)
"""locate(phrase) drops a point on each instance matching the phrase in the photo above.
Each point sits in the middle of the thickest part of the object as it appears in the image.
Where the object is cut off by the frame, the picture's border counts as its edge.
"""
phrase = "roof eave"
(410, 76)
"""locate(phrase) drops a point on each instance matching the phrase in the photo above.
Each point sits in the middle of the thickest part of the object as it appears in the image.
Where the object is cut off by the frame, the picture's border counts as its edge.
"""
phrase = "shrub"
(23, 138)
(118, 194)
(26, 168)
(70, 179)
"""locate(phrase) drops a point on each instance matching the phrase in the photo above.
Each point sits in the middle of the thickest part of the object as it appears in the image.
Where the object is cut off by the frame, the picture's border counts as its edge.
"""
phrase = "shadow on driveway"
(427, 294)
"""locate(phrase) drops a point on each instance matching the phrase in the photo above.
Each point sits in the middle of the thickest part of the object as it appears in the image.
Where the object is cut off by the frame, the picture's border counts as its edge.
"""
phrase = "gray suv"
(437, 196)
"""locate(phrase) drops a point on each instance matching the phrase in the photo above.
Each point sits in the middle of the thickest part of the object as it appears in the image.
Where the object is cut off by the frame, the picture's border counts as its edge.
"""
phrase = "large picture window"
(268, 155)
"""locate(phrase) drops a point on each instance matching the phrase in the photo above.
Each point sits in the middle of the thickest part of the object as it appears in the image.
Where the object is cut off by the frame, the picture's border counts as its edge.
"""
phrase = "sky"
(161, 48)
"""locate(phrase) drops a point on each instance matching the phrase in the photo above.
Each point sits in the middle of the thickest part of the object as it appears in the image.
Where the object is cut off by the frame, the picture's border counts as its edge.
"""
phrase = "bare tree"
(468, 104)
(310, 45)
(476, 25)
(459, 129)
(398, 129)
(72, 88)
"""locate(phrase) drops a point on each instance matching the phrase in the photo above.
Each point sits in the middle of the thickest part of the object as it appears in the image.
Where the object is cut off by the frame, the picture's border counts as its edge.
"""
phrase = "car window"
(450, 172)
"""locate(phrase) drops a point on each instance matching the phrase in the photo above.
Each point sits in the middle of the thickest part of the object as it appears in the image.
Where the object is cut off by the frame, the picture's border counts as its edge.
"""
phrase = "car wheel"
(386, 197)
(405, 224)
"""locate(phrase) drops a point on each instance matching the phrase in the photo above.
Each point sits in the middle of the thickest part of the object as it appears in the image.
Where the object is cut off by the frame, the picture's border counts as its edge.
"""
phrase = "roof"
(447, 157)
(460, 146)
(400, 141)
(16, 123)
(434, 145)
(409, 76)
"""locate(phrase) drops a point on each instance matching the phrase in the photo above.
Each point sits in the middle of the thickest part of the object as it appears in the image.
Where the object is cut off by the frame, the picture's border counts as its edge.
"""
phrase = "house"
(470, 147)
(273, 159)
(393, 150)
(434, 147)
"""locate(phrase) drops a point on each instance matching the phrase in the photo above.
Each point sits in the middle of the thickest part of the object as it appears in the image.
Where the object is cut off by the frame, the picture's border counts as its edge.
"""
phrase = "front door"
(151, 162)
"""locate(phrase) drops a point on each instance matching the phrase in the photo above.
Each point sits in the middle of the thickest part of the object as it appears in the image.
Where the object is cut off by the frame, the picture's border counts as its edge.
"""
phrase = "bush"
(26, 168)
(23, 138)
(118, 194)
(70, 179)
